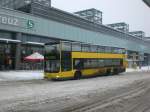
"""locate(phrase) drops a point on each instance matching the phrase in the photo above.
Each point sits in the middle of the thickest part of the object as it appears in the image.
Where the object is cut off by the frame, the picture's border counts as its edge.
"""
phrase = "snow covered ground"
(20, 75)
(119, 93)
(143, 69)
(32, 75)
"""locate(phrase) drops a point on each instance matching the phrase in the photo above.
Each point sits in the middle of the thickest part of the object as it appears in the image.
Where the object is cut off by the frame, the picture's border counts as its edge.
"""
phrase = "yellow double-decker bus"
(76, 60)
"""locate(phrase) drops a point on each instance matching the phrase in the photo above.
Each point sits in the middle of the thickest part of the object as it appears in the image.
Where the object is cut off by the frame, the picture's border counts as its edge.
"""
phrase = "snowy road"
(128, 92)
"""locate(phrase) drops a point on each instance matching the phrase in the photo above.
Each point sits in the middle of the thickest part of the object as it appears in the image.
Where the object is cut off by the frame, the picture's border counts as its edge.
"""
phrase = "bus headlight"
(57, 76)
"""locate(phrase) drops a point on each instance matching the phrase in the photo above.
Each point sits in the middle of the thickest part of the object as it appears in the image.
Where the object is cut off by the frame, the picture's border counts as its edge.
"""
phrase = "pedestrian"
(10, 63)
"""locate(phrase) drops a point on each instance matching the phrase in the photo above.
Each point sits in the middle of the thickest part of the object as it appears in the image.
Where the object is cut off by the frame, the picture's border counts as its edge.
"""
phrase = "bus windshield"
(52, 66)
(52, 58)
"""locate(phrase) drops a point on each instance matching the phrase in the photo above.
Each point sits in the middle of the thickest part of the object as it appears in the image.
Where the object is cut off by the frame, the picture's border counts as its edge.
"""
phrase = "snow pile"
(143, 69)
(21, 75)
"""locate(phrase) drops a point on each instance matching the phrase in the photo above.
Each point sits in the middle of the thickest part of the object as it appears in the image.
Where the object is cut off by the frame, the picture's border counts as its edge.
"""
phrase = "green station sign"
(30, 24)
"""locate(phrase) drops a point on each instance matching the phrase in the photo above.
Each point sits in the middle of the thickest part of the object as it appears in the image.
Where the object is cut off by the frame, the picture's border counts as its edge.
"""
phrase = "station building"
(25, 25)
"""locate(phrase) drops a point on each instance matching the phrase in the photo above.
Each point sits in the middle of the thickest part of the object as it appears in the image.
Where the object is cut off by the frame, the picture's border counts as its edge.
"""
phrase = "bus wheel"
(77, 75)
(108, 72)
(115, 72)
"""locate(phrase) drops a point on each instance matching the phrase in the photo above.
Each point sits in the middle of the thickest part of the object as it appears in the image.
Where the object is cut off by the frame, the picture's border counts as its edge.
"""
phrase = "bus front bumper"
(60, 75)
(51, 76)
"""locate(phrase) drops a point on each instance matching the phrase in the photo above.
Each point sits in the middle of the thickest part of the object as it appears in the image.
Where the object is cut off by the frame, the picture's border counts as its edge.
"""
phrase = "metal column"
(18, 52)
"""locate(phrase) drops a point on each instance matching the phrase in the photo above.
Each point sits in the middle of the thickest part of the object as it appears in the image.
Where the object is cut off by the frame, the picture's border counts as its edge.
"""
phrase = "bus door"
(66, 58)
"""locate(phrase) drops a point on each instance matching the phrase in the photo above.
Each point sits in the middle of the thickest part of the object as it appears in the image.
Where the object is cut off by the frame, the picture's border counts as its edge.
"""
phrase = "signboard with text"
(17, 21)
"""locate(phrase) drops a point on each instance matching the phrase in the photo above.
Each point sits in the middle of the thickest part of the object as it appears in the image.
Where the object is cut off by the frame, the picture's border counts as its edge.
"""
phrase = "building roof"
(147, 2)
(60, 25)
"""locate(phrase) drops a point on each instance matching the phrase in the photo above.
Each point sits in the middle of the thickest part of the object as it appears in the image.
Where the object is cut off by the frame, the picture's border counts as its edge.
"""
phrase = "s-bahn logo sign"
(30, 24)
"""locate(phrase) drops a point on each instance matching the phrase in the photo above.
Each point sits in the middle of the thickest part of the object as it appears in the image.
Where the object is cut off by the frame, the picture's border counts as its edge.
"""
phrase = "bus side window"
(66, 65)
(121, 62)
(66, 62)
(78, 64)
(101, 63)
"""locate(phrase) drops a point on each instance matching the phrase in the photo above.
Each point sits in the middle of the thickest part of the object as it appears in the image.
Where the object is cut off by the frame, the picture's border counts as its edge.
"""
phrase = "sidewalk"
(20, 75)
(34, 75)
(143, 69)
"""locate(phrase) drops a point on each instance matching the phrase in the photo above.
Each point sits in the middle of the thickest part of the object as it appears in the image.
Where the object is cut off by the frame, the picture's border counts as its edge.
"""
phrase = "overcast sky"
(133, 12)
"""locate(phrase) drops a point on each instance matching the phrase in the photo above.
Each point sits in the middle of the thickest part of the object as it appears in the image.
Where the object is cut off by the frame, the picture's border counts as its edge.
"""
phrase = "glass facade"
(29, 44)
(5, 35)
(7, 56)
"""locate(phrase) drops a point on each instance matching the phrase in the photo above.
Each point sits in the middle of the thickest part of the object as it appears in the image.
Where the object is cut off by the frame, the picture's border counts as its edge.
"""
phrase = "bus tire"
(77, 75)
(115, 72)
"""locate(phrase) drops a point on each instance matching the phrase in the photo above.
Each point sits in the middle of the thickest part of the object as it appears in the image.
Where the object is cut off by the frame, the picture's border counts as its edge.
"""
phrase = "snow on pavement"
(143, 69)
(31, 75)
(20, 75)
(37, 94)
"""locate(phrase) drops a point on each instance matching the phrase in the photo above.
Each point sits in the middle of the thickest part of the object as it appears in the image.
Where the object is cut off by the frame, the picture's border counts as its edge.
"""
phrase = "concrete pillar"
(18, 52)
